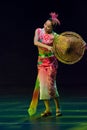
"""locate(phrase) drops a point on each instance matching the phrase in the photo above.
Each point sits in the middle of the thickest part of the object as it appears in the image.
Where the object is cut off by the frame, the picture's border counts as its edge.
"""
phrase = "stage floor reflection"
(14, 115)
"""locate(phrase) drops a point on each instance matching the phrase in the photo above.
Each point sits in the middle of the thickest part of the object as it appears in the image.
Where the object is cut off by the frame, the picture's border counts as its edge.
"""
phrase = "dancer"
(47, 68)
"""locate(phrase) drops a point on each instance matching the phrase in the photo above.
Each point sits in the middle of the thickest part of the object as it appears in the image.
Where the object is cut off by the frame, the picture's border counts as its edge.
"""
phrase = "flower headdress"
(54, 18)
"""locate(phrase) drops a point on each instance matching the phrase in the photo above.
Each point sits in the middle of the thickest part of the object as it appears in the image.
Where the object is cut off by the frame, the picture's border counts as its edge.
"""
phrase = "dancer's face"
(48, 26)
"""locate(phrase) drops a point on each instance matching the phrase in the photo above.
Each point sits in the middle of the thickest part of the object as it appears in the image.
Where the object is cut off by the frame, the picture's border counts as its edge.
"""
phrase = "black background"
(18, 55)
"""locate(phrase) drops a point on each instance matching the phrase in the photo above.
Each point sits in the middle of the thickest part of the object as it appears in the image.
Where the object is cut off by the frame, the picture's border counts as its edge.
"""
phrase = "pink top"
(44, 37)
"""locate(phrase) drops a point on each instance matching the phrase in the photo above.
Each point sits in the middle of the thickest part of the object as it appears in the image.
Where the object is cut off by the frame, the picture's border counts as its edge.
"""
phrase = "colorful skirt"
(46, 81)
(47, 70)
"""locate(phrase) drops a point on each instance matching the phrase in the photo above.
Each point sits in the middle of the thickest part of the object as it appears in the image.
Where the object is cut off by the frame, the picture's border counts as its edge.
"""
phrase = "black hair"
(53, 25)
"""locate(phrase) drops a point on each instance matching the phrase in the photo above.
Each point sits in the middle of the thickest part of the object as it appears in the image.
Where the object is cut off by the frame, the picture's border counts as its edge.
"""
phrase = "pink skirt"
(45, 85)
(47, 70)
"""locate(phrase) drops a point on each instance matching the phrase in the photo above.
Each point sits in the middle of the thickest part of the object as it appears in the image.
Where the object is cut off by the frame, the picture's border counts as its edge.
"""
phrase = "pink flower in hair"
(54, 18)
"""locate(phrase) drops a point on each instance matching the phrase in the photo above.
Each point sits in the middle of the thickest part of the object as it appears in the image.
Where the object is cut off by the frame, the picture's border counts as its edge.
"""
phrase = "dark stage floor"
(14, 116)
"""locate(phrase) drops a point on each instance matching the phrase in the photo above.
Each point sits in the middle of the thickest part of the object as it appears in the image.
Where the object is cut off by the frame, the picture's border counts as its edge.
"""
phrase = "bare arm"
(40, 44)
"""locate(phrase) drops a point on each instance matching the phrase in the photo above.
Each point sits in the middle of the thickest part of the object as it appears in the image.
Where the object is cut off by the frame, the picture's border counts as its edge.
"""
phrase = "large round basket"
(68, 47)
